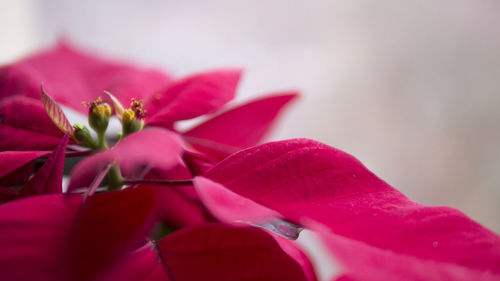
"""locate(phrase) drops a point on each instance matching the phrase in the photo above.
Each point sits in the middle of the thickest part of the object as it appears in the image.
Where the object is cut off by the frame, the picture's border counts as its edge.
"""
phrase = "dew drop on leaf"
(281, 227)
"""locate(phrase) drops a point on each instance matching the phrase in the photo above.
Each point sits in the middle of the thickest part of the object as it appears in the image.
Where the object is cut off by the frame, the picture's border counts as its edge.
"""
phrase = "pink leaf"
(56, 114)
(238, 128)
(24, 125)
(72, 76)
(312, 183)
(49, 178)
(212, 252)
(192, 96)
(135, 154)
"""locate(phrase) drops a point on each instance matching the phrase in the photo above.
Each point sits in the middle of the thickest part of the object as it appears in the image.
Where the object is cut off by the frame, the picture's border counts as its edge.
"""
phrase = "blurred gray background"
(411, 88)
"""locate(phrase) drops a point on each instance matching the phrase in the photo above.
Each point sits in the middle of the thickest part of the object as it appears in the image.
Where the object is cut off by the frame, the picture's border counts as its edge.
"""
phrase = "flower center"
(137, 107)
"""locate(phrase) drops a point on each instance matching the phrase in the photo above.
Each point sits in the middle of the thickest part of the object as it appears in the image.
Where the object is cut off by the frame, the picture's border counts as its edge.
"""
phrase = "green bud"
(99, 117)
(82, 135)
(130, 123)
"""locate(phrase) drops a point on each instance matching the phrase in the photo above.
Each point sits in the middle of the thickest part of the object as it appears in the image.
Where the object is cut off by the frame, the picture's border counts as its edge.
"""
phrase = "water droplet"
(281, 227)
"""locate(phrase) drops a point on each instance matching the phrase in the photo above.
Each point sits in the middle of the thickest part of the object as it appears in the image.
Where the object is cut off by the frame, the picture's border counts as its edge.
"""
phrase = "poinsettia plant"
(155, 202)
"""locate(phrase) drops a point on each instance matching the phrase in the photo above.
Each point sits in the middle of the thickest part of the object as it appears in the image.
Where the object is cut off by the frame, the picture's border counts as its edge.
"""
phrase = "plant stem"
(115, 179)
(101, 140)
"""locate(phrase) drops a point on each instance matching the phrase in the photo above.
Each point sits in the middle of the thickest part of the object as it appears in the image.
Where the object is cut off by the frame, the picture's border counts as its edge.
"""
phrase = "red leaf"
(309, 182)
(12, 160)
(55, 237)
(19, 176)
(179, 206)
(238, 128)
(191, 97)
(72, 76)
(6, 194)
(25, 125)
(212, 252)
(34, 231)
(108, 226)
(49, 178)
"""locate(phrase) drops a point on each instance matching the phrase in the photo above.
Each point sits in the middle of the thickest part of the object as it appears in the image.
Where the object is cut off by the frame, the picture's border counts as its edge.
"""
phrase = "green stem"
(115, 179)
(101, 140)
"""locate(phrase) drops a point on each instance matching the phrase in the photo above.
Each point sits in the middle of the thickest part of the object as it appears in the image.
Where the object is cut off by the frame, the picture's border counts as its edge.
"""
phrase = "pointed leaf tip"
(55, 113)
(49, 178)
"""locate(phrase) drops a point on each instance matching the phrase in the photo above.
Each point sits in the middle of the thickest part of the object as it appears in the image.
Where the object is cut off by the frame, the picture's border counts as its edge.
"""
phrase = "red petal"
(307, 181)
(238, 128)
(25, 125)
(135, 154)
(72, 76)
(192, 96)
(212, 252)
(49, 178)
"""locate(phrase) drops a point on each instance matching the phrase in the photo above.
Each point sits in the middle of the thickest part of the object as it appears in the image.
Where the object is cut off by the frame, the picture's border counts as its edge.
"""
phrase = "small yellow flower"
(127, 116)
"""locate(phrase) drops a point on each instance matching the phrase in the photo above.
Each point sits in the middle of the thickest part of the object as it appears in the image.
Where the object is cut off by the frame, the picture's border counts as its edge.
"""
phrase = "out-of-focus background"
(411, 88)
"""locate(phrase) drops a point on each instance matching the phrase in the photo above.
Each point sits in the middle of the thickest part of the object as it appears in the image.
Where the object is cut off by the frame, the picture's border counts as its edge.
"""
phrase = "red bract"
(135, 154)
(48, 179)
(25, 125)
(70, 77)
(63, 237)
(57, 237)
(156, 226)
(211, 252)
(375, 231)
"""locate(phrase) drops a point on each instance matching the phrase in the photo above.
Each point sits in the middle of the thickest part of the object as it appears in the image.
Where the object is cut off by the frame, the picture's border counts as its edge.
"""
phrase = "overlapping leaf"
(192, 96)
(24, 125)
(12, 160)
(240, 127)
(57, 237)
(135, 154)
(72, 76)
(211, 252)
(48, 179)
(309, 182)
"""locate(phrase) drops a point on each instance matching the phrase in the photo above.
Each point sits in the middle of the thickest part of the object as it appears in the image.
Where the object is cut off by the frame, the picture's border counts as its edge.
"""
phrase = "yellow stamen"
(101, 110)
(127, 116)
